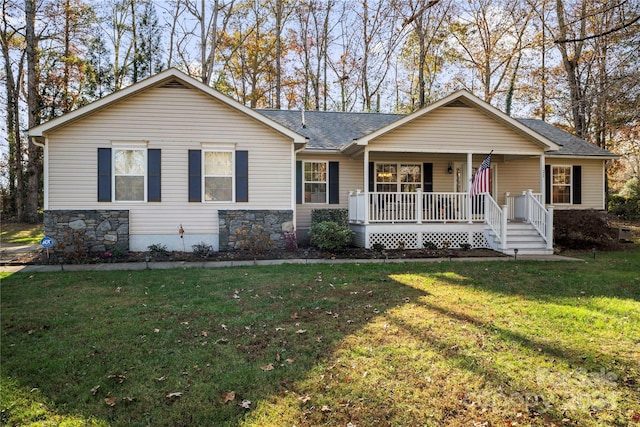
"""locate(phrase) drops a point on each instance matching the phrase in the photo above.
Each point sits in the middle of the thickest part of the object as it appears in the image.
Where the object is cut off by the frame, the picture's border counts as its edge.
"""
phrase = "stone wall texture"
(87, 231)
(254, 230)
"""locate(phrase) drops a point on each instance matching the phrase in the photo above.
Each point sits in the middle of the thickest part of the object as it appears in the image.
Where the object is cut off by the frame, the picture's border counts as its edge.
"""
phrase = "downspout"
(45, 171)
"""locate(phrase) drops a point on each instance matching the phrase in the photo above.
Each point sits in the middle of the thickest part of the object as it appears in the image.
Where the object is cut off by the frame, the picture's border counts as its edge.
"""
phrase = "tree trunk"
(34, 164)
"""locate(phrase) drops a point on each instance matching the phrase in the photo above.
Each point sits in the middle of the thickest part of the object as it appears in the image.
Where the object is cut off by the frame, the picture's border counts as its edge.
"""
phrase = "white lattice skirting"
(417, 240)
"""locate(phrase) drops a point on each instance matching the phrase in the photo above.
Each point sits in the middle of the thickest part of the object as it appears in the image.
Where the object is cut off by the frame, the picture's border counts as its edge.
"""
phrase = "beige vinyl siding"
(351, 175)
(456, 130)
(592, 181)
(518, 175)
(175, 121)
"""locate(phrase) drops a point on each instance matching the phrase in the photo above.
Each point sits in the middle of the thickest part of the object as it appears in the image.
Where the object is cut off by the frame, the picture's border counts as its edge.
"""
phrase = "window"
(315, 182)
(218, 176)
(393, 177)
(561, 184)
(129, 174)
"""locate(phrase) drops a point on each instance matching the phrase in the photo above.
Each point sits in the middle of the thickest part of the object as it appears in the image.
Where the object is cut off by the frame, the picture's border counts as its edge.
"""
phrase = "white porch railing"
(517, 205)
(540, 217)
(415, 207)
(496, 218)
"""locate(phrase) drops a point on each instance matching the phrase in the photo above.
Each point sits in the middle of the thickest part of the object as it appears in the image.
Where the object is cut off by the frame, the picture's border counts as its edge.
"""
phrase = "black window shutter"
(242, 176)
(576, 178)
(298, 182)
(427, 179)
(195, 177)
(153, 175)
(547, 184)
(104, 174)
(372, 178)
(334, 183)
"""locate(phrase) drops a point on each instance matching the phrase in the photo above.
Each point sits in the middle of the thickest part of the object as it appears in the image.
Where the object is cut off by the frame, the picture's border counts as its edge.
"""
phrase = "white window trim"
(570, 185)
(218, 148)
(398, 183)
(304, 182)
(128, 146)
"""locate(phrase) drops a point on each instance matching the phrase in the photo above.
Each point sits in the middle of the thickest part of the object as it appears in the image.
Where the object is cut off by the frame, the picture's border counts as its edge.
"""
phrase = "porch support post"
(503, 228)
(549, 228)
(468, 183)
(419, 206)
(543, 187)
(366, 191)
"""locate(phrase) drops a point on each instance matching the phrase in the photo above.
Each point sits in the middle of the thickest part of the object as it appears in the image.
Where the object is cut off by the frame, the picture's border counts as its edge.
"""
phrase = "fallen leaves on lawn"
(173, 395)
(94, 390)
(290, 360)
(295, 316)
(162, 378)
(228, 396)
(246, 404)
(305, 398)
(110, 401)
(268, 367)
(325, 408)
(301, 331)
(118, 377)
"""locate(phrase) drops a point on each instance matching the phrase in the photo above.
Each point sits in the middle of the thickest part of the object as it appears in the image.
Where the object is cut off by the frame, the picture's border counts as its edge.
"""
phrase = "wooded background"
(574, 63)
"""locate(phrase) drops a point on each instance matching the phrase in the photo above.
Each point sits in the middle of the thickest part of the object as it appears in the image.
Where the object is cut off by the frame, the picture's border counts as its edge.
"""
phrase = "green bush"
(340, 216)
(330, 236)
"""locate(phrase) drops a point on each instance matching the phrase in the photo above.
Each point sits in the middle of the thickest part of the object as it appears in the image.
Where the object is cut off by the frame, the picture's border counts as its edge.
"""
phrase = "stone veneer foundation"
(254, 229)
(75, 231)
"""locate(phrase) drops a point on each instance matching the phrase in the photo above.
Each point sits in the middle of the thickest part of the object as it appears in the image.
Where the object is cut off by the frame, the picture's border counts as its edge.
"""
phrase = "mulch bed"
(40, 257)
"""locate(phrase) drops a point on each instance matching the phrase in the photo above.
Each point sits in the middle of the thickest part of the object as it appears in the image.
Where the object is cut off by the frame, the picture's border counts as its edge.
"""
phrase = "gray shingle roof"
(570, 145)
(328, 130)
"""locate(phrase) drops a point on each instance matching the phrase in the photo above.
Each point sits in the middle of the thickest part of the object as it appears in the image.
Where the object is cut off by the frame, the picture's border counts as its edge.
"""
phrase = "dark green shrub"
(330, 236)
(378, 247)
(340, 216)
(430, 245)
(626, 208)
(465, 246)
(582, 229)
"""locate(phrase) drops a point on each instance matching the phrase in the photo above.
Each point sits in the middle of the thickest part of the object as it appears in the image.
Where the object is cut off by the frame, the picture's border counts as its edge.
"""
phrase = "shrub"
(157, 249)
(202, 249)
(340, 216)
(253, 239)
(378, 247)
(465, 246)
(330, 236)
(290, 240)
(582, 229)
(430, 245)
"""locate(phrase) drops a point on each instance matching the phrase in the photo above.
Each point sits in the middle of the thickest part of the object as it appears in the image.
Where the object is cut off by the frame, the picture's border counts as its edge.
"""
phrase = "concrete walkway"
(217, 264)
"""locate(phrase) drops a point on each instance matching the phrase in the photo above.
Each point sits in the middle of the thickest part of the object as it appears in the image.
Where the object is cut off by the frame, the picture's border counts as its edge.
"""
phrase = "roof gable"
(168, 78)
(458, 99)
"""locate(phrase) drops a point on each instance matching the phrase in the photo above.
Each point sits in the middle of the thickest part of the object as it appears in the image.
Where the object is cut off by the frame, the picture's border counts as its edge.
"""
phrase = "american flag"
(482, 178)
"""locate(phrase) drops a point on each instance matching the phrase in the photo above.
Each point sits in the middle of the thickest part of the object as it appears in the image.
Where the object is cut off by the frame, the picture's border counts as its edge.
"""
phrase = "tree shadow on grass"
(169, 347)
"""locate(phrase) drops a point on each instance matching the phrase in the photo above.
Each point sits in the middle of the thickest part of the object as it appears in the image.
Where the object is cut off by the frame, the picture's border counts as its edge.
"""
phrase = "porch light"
(450, 169)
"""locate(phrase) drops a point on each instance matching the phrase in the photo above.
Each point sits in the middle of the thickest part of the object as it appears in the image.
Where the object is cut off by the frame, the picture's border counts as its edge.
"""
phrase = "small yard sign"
(46, 243)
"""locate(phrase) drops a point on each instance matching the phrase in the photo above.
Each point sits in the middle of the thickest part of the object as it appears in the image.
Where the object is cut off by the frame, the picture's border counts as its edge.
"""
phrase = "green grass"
(19, 233)
(502, 343)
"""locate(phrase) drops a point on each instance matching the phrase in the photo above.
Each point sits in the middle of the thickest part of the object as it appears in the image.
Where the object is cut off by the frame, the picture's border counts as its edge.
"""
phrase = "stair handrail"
(539, 217)
(495, 218)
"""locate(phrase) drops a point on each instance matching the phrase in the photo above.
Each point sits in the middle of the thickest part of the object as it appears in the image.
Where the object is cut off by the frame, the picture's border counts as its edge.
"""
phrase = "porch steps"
(521, 236)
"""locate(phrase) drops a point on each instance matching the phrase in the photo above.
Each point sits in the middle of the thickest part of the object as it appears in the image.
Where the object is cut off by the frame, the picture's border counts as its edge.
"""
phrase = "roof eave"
(172, 73)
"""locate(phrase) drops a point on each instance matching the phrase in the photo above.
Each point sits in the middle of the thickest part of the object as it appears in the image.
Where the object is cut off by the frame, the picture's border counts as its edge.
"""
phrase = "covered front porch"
(420, 219)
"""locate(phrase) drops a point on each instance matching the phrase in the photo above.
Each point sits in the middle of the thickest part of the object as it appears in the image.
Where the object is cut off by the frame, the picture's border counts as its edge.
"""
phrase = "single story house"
(170, 161)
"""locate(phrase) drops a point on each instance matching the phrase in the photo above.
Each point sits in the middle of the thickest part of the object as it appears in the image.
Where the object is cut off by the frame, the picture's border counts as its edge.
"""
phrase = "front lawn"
(477, 343)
